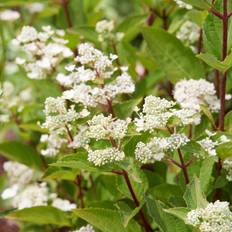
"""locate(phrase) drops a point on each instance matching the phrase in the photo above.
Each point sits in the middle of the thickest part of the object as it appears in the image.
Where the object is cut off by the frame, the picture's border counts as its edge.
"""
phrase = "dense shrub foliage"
(115, 115)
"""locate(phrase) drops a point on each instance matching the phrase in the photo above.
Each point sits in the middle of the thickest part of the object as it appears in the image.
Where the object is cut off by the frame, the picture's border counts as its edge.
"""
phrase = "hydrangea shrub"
(115, 116)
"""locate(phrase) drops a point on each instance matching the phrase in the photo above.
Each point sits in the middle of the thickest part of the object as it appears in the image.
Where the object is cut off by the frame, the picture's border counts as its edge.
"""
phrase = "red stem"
(146, 224)
(216, 13)
(199, 45)
(224, 74)
(183, 166)
(70, 137)
(80, 193)
(151, 18)
(66, 12)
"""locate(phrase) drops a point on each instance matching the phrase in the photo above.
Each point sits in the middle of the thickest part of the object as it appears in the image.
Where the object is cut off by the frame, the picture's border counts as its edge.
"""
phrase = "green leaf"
(126, 212)
(200, 4)
(176, 60)
(125, 109)
(106, 220)
(56, 173)
(165, 221)
(165, 192)
(33, 127)
(224, 150)
(131, 26)
(206, 173)
(75, 161)
(212, 33)
(212, 61)
(21, 153)
(41, 215)
(180, 212)
(194, 196)
(138, 181)
(228, 122)
(88, 33)
(208, 114)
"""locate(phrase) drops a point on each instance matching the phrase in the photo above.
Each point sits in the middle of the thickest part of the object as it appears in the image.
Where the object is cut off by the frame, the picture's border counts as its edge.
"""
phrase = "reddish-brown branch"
(110, 107)
(224, 74)
(190, 131)
(230, 14)
(183, 166)
(200, 40)
(216, 13)
(66, 12)
(174, 162)
(151, 18)
(124, 173)
(70, 137)
(80, 192)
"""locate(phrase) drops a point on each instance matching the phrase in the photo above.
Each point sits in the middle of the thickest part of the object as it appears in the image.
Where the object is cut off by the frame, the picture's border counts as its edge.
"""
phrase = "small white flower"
(104, 26)
(105, 156)
(9, 15)
(191, 94)
(214, 217)
(189, 33)
(27, 34)
(32, 195)
(182, 4)
(227, 165)
(35, 7)
(63, 204)
(87, 228)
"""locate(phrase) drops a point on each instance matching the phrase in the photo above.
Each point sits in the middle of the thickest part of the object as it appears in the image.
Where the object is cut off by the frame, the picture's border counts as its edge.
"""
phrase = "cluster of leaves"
(160, 192)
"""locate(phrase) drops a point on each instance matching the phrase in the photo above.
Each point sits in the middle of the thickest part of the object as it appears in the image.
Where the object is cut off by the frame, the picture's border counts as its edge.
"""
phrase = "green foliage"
(194, 196)
(42, 215)
(201, 4)
(21, 153)
(158, 180)
(101, 217)
(176, 60)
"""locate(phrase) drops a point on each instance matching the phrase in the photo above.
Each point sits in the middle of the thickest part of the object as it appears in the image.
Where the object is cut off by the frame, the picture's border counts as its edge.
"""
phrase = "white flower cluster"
(105, 29)
(155, 149)
(35, 7)
(12, 100)
(182, 4)
(87, 228)
(187, 116)
(57, 115)
(32, 195)
(19, 175)
(62, 204)
(105, 156)
(191, 94)
(59, 120)
(24, 192)
(156, 113)
(81, 139)
(227, 165)
(209, 144)
(54, 143)
(105, 127)
(87, 83)
(9, 15)
(189, 33)
(214, 217)
(150, 152)
(45, 50)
